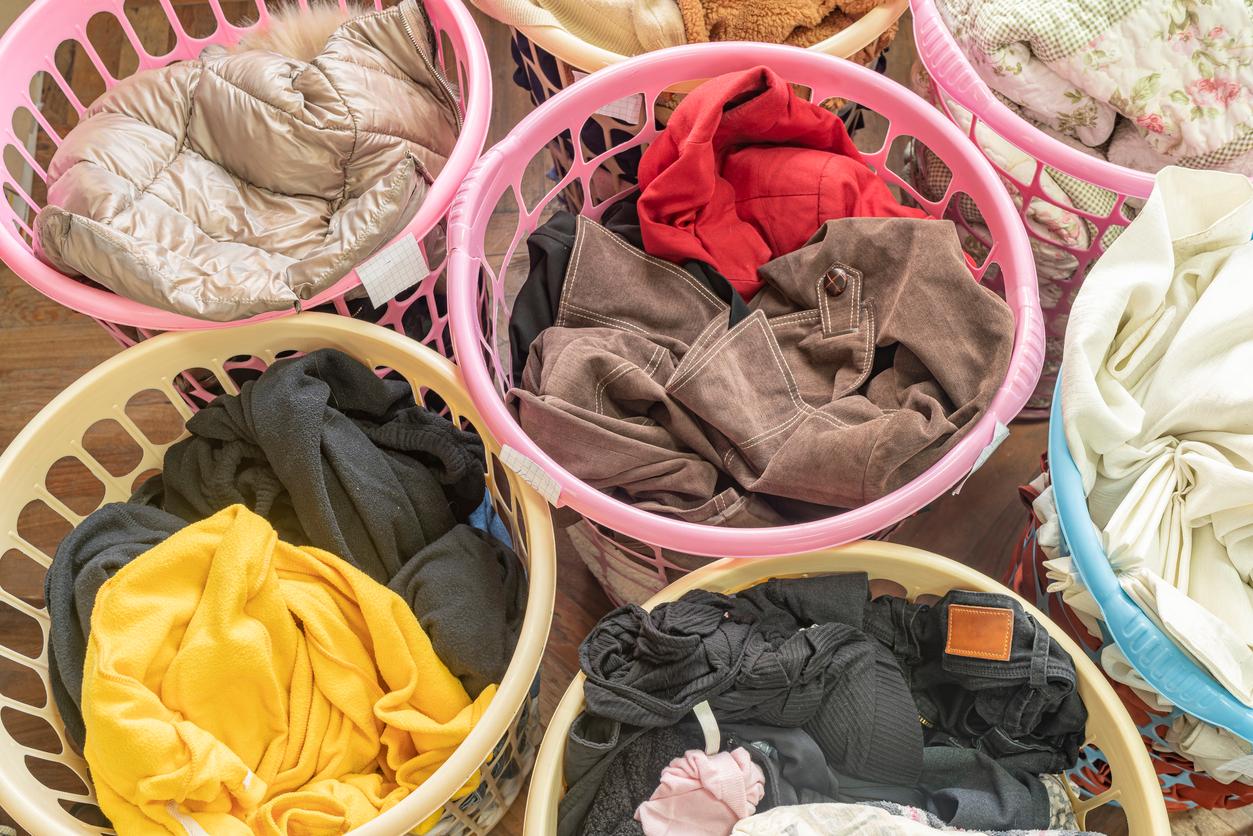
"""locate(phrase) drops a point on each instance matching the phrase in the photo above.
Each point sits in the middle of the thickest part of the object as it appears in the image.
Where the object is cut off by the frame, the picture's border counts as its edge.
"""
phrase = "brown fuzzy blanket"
(800, 23)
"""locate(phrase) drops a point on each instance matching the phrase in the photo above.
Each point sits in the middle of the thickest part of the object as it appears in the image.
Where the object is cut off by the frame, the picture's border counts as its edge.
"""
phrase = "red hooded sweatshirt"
(747, 171)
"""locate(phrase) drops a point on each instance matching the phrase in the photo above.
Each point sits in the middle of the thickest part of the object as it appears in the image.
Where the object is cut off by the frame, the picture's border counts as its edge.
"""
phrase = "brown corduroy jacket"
(867, 355)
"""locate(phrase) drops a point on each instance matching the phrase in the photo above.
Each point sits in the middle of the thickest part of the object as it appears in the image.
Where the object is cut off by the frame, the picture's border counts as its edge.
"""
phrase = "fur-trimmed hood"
(248, 181)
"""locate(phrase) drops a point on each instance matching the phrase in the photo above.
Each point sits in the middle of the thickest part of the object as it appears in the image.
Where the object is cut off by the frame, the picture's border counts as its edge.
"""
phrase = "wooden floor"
(44, 347)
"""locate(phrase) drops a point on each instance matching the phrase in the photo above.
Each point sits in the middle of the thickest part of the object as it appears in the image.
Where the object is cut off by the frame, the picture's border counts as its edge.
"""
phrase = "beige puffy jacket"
(245, 181)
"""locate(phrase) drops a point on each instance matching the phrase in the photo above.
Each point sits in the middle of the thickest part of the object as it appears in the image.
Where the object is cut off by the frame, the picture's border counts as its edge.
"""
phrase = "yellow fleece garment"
(248, 686)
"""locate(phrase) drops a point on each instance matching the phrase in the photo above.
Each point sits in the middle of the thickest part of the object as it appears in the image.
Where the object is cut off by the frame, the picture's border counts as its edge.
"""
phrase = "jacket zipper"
(444, 85)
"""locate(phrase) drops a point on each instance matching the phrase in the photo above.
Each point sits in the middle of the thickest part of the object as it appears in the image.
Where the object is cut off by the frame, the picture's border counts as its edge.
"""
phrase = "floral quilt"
(1180, 70)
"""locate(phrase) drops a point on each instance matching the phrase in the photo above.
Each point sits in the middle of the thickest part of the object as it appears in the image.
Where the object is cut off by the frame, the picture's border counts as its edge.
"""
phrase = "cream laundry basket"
(108, 431)
(1134, 784)
(574, 56)
(549, 59)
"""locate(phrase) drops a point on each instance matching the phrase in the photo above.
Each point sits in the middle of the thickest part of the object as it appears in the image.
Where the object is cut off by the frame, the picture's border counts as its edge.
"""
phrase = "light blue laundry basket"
(1150, 651)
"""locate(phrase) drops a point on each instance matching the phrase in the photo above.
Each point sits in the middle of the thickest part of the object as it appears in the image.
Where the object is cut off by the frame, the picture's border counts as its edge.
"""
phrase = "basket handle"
(961, 82)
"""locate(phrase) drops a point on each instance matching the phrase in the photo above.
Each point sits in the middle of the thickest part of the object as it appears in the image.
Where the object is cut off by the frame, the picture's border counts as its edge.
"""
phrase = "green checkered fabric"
(1220, 157)
(1054, 30)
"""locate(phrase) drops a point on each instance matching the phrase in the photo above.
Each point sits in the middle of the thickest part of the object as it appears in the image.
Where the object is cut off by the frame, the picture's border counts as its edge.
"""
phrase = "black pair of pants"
(1024, 712)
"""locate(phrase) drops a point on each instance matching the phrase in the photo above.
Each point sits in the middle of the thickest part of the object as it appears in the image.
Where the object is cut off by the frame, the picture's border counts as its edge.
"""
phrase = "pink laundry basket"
(1110, 192)
(633, 552)
(549, 58)
(61, 54)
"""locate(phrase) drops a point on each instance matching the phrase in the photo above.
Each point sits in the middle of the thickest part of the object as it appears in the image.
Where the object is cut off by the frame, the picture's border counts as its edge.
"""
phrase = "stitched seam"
(668, 267)
(336, 59)
(413, 140)
(571, 274)
(865, 357)
(712, 351)
(654, 361)
(614, 374)
(980, 613)
(824, 301)
(182, 213)
(783, 369)
(830, 419)
(704, 341)
(607, 320)
(352, 253)
(822, 184)
(739, 502)
(352, 153)
(788, 319)
(767, 433)
(867, 349)
(178, 152)
(773, 196)
(110, 236)
(865, 360)
(852, 314)
(249, 94)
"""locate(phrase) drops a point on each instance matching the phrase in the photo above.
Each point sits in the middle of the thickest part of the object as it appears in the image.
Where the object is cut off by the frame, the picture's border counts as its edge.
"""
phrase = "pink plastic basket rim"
(951, 72)
(30, 28)
(570, 107)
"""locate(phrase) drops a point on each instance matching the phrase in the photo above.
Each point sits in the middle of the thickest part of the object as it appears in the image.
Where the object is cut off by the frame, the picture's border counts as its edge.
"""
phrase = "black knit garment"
(649, 669)
(830, 672)
(333, 457)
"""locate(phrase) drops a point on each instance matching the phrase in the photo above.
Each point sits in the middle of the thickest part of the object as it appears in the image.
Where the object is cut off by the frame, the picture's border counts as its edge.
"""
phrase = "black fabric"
(592, 746)
(823, 707)
(630, 779)
(333, 457)
(796, 772)
(469, 593)
(535, 307)
(969, 790)
(794, 768)
(649, 669)
(549, 247)
(965, 788)
(1025, 712)
(781, 606)
(89, 555)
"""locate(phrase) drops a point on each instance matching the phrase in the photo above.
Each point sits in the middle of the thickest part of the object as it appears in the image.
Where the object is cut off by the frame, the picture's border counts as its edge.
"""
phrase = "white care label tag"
(394, 270)
(531, 473)
(999, 434)
(626, 109)
(708, 726)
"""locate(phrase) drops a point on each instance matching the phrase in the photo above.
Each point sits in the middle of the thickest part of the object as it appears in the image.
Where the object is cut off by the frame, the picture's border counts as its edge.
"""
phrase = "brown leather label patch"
(979, 632)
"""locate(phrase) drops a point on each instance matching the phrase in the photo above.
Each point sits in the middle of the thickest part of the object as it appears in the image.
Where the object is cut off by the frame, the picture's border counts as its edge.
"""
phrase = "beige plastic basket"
(552, 58)
(577, 54)
(106, 433)
(1134, 783)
